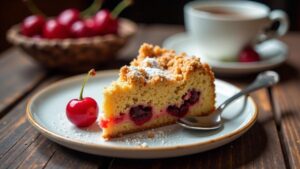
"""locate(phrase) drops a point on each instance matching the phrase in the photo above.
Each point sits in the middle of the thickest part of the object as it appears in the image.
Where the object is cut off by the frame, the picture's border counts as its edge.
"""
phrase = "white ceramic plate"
(273, 53)
(46, 112)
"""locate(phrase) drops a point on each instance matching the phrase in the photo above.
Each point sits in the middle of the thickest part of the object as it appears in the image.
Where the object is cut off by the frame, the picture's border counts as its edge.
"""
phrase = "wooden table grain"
(265, 145)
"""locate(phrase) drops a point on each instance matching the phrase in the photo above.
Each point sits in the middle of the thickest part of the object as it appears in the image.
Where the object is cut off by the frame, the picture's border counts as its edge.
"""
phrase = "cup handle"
(282, 18)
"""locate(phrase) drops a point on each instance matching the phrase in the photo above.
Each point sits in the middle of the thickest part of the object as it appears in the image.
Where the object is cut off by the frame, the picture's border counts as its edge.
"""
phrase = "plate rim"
(233, 65)
(54, 136)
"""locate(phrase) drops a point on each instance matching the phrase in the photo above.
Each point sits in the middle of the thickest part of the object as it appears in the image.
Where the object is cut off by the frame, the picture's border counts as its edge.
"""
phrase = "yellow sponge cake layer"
(156, 89)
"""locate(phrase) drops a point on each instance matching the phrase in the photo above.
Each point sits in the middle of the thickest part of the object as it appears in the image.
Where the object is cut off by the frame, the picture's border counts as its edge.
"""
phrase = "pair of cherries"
(71, 23)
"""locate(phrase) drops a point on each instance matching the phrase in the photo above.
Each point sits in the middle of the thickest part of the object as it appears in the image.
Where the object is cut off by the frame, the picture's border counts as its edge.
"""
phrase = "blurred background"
(143, 11)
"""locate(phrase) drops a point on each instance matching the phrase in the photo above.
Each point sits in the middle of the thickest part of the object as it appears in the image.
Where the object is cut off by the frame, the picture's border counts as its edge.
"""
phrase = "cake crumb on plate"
(150, 134)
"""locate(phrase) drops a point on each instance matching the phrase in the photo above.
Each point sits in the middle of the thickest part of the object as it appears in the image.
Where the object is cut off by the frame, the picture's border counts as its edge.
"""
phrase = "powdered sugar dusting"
(157, 72)
(150, 62)
(134, 71)
(151, 67)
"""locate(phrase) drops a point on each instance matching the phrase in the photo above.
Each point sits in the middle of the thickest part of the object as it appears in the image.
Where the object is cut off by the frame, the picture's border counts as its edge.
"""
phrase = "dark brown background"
(144, 11)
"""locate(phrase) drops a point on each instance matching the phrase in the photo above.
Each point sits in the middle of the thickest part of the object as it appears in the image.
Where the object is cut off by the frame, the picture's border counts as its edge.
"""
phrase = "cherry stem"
(33, 8)
(92, 72)
(120, 7)
(92, 9)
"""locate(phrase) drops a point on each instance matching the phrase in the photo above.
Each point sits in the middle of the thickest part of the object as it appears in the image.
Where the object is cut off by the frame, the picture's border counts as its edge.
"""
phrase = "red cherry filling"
(140, 114)
(118, 119)
(104, 123)
(191, 98)
(178, 111)
(184, 108)
(194, 97)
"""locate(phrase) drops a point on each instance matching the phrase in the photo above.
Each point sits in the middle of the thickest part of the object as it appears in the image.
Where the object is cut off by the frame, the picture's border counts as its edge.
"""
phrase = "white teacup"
(222, 28)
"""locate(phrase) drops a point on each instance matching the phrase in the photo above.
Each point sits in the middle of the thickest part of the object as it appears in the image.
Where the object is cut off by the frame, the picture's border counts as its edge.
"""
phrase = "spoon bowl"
(214, 121)
(210, 122)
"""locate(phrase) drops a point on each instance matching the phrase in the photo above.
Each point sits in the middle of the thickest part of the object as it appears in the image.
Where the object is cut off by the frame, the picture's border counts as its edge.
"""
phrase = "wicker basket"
(73, 55)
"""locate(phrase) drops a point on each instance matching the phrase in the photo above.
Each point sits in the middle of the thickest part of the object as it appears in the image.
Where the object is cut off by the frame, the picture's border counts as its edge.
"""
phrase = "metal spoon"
(214, 120)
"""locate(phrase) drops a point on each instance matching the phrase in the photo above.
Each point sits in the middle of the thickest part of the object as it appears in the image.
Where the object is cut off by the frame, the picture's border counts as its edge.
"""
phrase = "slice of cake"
(157, 88)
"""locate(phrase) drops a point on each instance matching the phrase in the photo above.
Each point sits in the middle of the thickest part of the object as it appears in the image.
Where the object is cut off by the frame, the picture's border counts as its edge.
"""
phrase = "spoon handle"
(265, 79)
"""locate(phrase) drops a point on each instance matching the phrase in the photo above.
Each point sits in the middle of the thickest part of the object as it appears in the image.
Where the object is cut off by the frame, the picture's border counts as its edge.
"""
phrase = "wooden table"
(265, 145)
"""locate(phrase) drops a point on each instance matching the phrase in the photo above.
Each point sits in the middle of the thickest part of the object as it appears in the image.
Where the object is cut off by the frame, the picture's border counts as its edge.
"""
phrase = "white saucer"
(273, 53)
(46, 112)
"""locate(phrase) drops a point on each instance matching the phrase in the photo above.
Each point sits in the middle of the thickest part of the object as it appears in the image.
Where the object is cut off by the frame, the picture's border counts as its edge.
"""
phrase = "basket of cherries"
(73, 41)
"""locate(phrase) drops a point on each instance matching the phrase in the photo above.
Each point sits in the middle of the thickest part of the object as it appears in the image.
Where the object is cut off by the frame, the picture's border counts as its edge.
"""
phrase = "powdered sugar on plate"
(158, 136)
(92, 134)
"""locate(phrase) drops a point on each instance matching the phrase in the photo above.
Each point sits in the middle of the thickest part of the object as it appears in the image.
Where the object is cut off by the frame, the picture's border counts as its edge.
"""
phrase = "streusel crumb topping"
(157, 64)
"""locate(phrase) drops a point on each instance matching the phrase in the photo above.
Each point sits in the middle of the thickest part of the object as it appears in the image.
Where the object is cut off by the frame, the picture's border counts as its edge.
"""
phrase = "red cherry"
(68, 17)
(90, 24)
(105, 23)
(248, 54)
(112, 27)
(82, 112)
(54, 30)
(33, 25)
(37, 37)
(79, 30)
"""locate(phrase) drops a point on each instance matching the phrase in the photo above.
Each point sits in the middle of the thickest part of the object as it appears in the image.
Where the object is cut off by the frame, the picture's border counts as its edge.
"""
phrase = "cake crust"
(179, 66)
